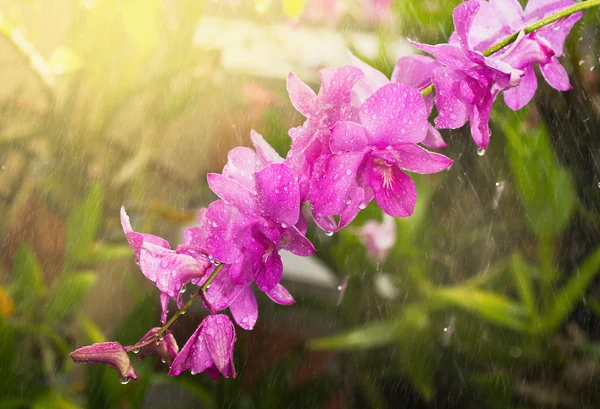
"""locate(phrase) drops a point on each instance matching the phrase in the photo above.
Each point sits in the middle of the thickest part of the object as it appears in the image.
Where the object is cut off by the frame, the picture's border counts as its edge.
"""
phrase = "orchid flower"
(367, 160)
(209, 349)
(497, 19)
(469, 82)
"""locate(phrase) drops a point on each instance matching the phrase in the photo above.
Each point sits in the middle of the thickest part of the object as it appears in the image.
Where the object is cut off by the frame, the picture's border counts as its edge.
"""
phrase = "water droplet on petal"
(135, 350)
(214, 224)
(348, 172)
(163, 360)
(124, 381)
(362, 206)
(183, 289)
(329, 233)
(480, 151)
(283, 225)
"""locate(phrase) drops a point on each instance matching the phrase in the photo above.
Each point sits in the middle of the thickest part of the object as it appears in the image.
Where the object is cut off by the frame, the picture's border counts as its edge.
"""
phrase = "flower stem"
(201, 291)
(542, 23)
(529, 29)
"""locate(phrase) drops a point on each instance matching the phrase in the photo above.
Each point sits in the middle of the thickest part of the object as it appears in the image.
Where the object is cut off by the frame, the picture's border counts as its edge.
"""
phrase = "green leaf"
(108, 252)
(68, 296)
(571, 293)
(28, 283)
(52, 400)
(93, 334)
(83, 225)
(495, 387)
(195, 388)
(417, 349)
(493, 307)
(545, 187)
(523, 278)
(368, 336)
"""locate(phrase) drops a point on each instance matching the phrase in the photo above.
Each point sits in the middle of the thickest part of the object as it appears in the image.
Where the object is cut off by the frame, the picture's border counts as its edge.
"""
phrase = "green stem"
(529, 29)
(542, 23)
(175, 317)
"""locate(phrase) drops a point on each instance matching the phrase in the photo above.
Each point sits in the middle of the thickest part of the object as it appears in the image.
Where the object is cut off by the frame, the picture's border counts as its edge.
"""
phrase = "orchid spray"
(362, 138)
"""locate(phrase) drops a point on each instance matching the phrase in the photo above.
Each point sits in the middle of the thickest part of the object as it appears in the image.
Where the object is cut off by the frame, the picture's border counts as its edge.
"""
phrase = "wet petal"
(219, 335)
(233, 193)
(394, 114)
(373, 80)
(301, 95)
(450, 55)
(223, 290)
(556, 75)
(265, 152)
(335, 93)
(194, 355)
(480, 118)
(495, 20)
(452, 112)
(270, 271)
(295, 241)
(278, 194)
(517, 97)
(225, 225)
(244, 308)
(242, 164)
(395, 192)
(434, 138)
(135, 239)
(281, 295)
(418, 160)
(167, 349)
(334, 182)
(348, 137)
(463, 16)
(416, 71)
(167, 269)
(110, 353)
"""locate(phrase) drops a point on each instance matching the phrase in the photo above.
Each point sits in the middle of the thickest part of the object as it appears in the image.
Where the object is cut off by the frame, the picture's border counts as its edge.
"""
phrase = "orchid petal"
(556, 75)
(110, 353)
(334, 182)
(219, 335)
(394, 114)
(416, 71)
(233, 192)
(434, 138)
(278, 194)
(281, 295)
(242, 164)
(373, 80)
(135, 239)
(452, 112)
(418, 160)
(301, 95)
(348, 137)
(395, 192)
(265, 152)
(517, 97)
(244, 308)
(225, 224)
(194, 355)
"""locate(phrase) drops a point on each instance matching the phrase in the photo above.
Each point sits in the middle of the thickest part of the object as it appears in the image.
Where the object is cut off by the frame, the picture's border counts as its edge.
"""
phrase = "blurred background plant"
(489, 297)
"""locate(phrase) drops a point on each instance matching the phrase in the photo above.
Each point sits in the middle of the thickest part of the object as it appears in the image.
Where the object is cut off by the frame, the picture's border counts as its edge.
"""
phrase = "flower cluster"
(363, 132)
